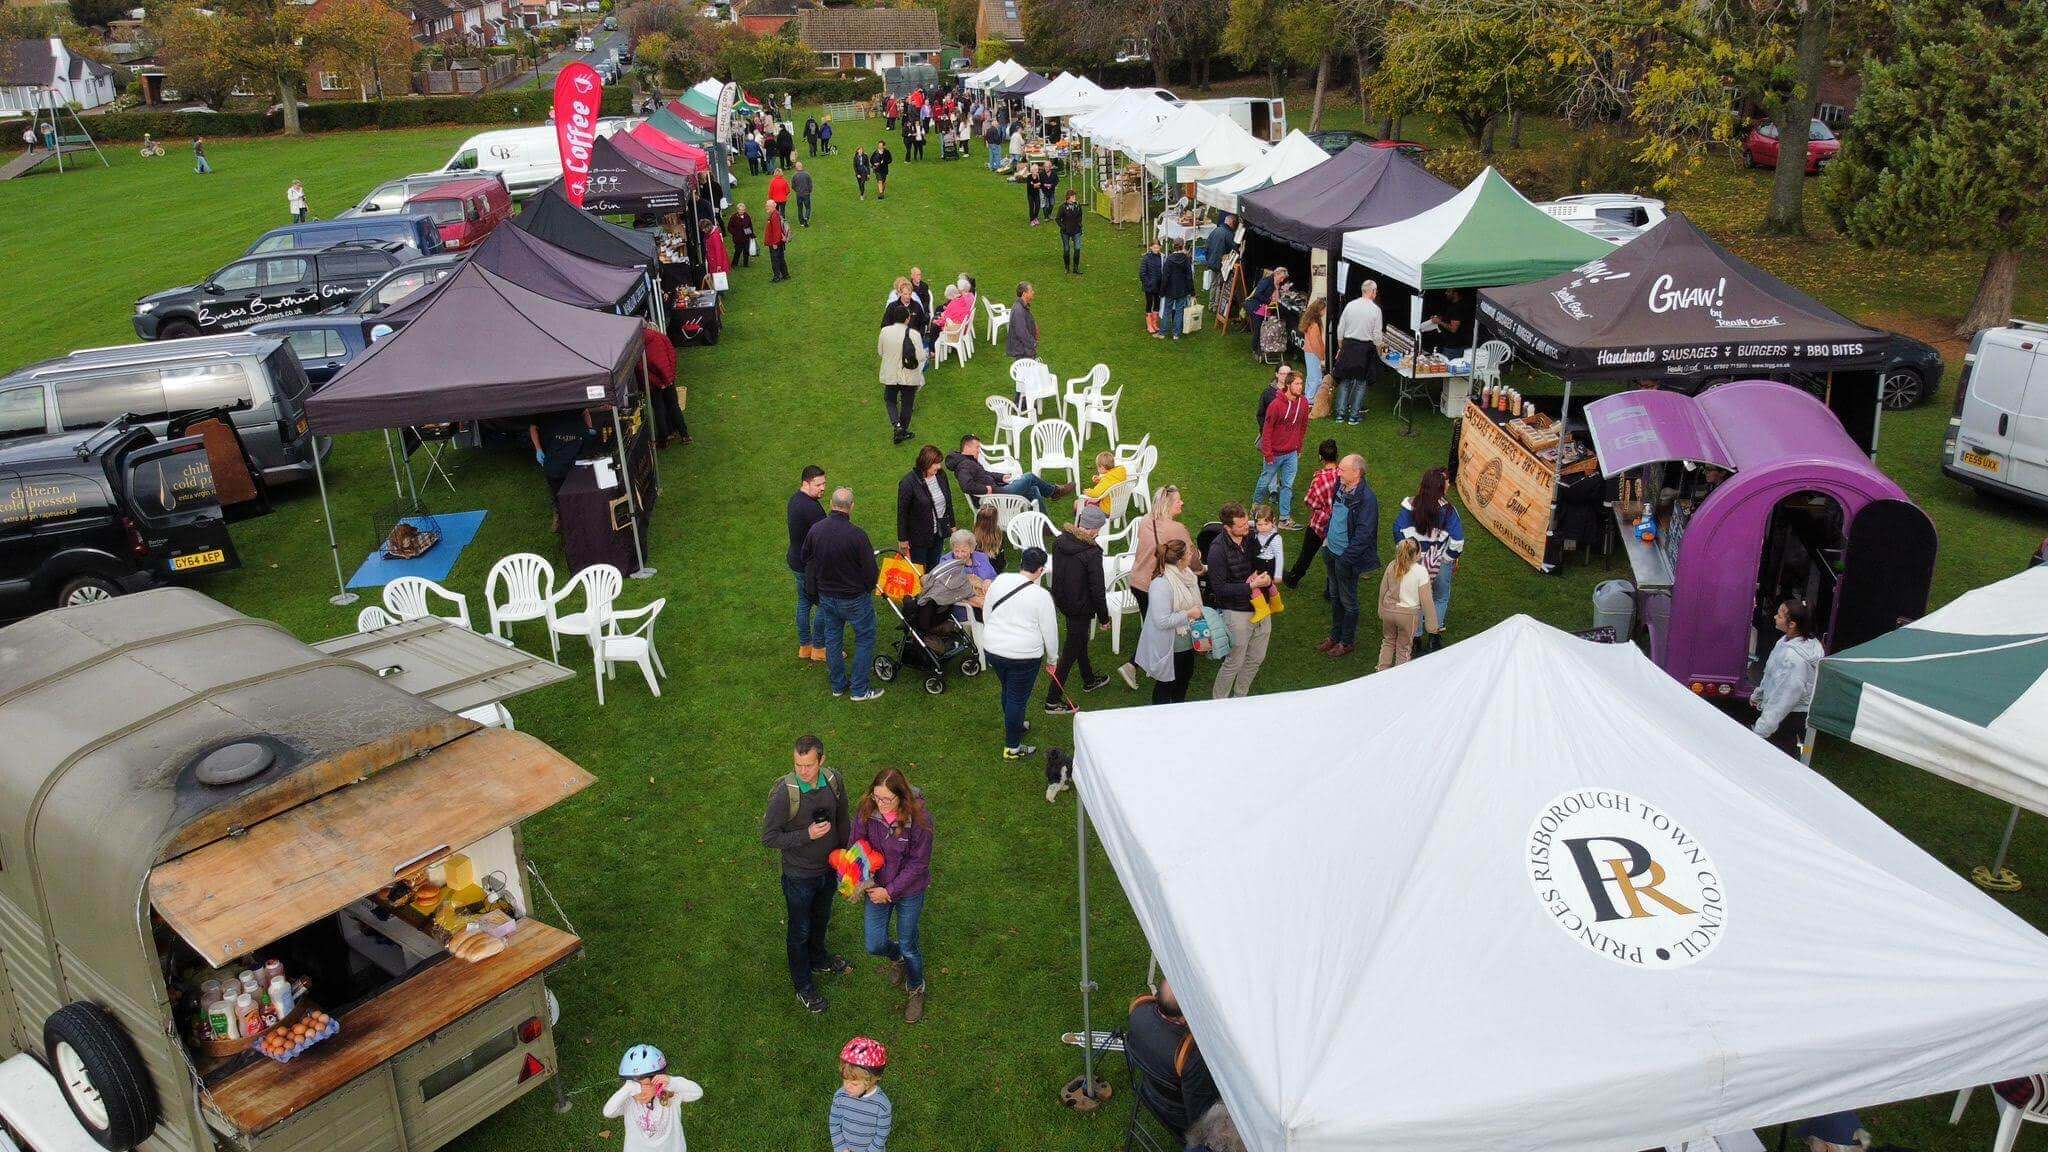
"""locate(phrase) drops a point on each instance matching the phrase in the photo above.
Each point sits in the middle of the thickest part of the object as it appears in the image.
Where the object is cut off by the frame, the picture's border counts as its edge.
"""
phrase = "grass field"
(659, 864)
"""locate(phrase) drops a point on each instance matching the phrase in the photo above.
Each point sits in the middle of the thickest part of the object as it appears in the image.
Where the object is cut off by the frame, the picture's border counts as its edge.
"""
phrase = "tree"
(1948, 146)
(194, 58)
(1305, 38)
(366, 37)
(1253, 37)
(98, 13)
(266, 39)
(1439, 59)
(993, 50)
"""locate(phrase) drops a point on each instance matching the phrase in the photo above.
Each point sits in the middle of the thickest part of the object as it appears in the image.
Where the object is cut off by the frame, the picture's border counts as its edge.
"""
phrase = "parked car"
(255, 376)
(527, 159)
(258, 288)
(1616, 217)
(1335, 140)
(1998, 438)
(403, 282)
(391, 195)
(1760, 147)
(467, 211)
(89, 515)
(323, 344)
(611, 23)
(417, 232)
(585, 44)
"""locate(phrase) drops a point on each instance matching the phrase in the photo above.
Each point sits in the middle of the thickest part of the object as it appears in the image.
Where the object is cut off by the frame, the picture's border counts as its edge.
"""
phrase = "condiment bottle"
(281, 1001)
(220, 1020)
(272, 969)
(248, 1017)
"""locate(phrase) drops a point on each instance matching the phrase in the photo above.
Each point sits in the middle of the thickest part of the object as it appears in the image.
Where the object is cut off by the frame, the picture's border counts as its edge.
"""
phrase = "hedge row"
(818, 90)
(515, 105)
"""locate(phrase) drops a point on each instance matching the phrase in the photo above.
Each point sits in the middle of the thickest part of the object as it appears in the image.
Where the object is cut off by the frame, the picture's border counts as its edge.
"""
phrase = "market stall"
(1673, 306)
(483, 348)
(1734, 500)
(549, 215)
(1313, 212)
(1289, 158)
(1022, 86)
(548, 269)
(1067, 95)
(1225, 148)
(1518, 468)
(623, 183)
(1118, 188)
(1594, 915)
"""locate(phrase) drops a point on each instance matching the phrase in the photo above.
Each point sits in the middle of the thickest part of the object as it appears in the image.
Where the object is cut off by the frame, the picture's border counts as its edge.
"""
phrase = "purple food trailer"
(1754, 493)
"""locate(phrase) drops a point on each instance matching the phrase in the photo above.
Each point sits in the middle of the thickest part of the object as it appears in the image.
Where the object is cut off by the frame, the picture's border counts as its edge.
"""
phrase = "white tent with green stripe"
(1962, 692)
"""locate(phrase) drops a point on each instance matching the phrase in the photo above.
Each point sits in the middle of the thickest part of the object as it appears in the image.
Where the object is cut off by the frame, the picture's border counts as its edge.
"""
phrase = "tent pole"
(1564, 428)
(632, 501)
(1087, 985)
(410, 486)
(391, 458)
(2005, 841)
(343, 597)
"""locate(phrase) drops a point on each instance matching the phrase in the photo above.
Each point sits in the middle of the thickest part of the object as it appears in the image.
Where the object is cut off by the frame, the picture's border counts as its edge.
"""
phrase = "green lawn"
(659, 865)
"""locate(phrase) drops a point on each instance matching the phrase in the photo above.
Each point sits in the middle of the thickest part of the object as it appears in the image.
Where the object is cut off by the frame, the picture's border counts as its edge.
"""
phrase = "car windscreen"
(442, 211)
(1819, 131)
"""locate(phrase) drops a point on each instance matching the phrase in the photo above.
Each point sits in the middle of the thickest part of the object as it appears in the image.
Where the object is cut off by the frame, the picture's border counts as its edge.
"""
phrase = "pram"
(930, 638)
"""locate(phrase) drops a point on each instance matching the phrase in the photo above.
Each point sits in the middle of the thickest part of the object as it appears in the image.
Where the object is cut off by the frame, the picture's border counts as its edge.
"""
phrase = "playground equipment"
(47, 140)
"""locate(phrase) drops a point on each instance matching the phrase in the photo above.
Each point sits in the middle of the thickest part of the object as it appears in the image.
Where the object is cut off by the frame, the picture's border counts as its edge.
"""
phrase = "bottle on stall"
(248, 1017)
(272, 969)
(250, 985)
(281, 1002)
(220, 1020)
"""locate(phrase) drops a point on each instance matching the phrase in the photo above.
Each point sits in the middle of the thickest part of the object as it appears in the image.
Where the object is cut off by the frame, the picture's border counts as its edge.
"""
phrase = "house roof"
(26, 63)
(870, 29)
(776, 7)
(1002, 18)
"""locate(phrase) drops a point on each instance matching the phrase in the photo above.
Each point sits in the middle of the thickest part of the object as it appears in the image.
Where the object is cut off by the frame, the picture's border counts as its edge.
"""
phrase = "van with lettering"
(87, 516)
(1998, 436)
(526, 159)
(255, 378)
(258, 288)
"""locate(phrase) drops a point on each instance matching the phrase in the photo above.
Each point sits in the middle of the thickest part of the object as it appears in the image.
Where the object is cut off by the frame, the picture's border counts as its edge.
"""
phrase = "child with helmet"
(861, 1112)
(651, 1101)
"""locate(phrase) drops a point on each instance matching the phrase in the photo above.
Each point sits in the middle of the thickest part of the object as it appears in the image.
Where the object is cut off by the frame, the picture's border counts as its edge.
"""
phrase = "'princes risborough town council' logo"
(1626, 879)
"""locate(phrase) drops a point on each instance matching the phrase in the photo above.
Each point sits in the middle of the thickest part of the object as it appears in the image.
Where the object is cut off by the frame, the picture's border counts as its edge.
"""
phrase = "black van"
(258, 288)
(86, 516)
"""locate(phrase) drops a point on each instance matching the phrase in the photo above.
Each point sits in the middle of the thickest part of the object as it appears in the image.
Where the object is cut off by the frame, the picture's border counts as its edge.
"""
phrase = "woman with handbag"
(924, 508)
(1160, 527)
(741, 226)
(900, 348)
(1405, 601)
(1166, 648)
(1263, 303)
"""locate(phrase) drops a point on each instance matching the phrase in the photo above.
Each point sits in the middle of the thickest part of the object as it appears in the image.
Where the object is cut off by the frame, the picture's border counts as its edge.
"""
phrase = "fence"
(852, 110)
(464, 77)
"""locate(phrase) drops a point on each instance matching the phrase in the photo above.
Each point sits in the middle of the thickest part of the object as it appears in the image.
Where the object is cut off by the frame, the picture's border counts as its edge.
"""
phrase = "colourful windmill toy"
(856, 867)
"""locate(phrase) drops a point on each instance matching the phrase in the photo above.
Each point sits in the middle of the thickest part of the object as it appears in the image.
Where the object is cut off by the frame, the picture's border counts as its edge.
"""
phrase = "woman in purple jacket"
(893, 820)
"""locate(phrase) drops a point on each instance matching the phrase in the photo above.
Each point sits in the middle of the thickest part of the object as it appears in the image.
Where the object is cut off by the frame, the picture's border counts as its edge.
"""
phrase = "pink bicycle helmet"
(862, 1052)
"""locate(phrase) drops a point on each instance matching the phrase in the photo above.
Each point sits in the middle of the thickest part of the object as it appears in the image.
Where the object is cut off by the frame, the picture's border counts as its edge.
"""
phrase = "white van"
(1263, 116)
(527, 159)
(1998, 437)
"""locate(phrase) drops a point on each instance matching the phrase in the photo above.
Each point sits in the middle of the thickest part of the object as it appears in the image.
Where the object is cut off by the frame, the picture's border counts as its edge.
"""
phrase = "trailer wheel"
(101, 1075)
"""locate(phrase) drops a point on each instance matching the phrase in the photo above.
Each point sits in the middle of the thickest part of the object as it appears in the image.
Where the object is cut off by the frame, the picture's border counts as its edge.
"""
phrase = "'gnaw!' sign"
(579, 93)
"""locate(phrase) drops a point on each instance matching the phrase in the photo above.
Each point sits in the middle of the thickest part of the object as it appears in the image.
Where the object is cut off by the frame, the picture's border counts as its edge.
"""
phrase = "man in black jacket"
(805, 822)
(976, 480)
(839, 563)
(1236, 577)
(1173, 1080)
(804, 512)
(1070, 216)
(1079, 594)
(1177, 284)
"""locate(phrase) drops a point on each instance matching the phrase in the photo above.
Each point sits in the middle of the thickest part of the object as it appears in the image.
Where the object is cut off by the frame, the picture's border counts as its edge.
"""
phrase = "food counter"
(1398, 353)
(1508, 473)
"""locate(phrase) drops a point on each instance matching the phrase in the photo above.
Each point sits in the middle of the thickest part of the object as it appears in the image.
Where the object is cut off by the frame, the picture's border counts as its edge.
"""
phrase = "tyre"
(1748, 159)
(101, 1075)
(885, 669)
(1901, 388)
(87, 589)
(177, 330)
(970, 665)
(935, 685)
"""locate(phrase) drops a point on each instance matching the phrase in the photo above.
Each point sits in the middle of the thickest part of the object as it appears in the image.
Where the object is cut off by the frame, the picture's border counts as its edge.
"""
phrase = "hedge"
(516, 105)
(818, 90)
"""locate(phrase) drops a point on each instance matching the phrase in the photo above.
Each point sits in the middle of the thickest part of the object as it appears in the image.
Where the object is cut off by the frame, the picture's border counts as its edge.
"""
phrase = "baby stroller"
(930, 638)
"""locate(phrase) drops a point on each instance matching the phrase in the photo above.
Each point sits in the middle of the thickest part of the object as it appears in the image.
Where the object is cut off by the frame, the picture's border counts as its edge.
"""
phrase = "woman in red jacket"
(1280, 437)
(777, 236)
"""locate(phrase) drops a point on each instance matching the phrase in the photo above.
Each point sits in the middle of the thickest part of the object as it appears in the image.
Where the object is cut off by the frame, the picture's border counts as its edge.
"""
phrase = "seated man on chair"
(976, 479)
(1173, 1082)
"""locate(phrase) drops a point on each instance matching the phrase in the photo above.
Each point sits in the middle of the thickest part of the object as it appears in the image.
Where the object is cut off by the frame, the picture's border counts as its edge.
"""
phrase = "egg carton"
(287, 1055)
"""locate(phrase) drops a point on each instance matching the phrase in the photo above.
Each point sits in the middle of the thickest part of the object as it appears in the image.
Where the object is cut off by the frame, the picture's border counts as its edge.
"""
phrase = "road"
(605, 43)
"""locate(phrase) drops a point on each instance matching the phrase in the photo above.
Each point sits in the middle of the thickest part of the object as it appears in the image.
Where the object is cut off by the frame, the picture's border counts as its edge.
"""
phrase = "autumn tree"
(1948, 146)
(366, 37)
(993, 50)
(194, 59)
(1253, 36)
(266, 40)
(1469, 69)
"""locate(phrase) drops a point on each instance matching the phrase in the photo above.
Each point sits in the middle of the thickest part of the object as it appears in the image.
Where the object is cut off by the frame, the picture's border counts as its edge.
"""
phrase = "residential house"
(530, 13)
(31, 69)
(999, 20)
(431, 19)
(766, 17)
(334, 79)
(870, 39)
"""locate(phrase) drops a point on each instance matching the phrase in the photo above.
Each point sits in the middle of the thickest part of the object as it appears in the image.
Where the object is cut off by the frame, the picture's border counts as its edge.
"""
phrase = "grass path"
(659, 864)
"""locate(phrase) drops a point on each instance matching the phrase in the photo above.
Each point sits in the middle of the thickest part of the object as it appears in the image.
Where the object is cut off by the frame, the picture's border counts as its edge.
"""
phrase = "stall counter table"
(1507, 487)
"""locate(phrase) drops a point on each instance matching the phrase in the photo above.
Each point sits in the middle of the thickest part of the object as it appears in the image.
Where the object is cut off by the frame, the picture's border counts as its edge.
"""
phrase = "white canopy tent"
(980, 77)
(1134, 112)
(998, 75)
(1529, 893)
(1171, 137)
(1054, 88)
(1291, 157)
(1082, 95)
(1226, 148)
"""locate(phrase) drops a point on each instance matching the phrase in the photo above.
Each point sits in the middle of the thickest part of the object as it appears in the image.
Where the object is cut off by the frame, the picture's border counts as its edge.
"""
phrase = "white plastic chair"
(1030, 529)
(599, 586)
(1055, 445)
(528, 585)
(1127, 454)
(1090, 385)
(491, 716)
(372, 618)
(1140, 470)
(411, 598)
(1490, 359)
(1035, 384)
(1119, 545)
(998, 317)
(1007, 506)
(610, 644)
(1010, 422)
(1002, 460)
(2010, 1115)
(1121, 601)
(1098, 410)
(1119, 497)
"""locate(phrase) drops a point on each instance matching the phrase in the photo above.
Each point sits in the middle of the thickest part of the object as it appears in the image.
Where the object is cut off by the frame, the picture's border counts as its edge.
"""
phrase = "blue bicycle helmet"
(642, 1060)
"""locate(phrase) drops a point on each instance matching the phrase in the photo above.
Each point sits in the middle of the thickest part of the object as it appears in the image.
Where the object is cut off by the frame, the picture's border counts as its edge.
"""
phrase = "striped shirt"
(861, 1123)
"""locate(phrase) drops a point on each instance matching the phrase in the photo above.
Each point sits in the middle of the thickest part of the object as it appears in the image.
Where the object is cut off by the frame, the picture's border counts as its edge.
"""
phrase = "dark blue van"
(415, 230)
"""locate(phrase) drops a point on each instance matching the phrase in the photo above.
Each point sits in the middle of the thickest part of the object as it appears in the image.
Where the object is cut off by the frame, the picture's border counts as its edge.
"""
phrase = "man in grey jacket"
(1022, 340)
(800, 185)
(805, 823)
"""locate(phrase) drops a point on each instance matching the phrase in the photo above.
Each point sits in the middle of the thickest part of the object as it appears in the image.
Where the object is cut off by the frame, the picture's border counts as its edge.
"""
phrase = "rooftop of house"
(870, 29)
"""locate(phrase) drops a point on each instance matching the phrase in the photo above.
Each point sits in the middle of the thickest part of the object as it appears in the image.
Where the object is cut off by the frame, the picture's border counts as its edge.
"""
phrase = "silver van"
(1998, 437)
(157, 380)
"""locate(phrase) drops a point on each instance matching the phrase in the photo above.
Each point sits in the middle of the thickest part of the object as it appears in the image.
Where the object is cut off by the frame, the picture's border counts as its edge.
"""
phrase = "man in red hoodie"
(778, 191)
(777, 237)
(1280, 437)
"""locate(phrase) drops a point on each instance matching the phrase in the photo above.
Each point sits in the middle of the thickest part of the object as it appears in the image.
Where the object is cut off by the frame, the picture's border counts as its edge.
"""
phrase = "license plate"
(1984, 460)
(204, 559)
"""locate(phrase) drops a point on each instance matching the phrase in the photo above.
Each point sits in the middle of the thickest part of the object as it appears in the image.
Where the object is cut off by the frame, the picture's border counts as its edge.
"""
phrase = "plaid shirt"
(1322, 489)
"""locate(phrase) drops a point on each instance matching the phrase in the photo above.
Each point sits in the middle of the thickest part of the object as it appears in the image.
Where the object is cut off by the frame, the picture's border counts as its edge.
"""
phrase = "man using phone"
(806, 822)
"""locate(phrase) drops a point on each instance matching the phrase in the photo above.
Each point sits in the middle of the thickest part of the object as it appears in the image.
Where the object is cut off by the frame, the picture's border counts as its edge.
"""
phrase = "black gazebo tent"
(1360, 187)
(483, 348)
(539, 266)
(550, 216)
(621, 184)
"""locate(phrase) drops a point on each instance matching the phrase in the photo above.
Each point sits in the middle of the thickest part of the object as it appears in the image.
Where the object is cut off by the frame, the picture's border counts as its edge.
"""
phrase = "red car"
(464, 210)
(1760, 149)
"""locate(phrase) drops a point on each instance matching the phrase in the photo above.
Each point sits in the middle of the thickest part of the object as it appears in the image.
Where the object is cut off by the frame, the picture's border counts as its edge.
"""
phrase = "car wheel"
(1748, 159)
(86, 590)
(101, 1075)
(1901, 388)
(177, 330)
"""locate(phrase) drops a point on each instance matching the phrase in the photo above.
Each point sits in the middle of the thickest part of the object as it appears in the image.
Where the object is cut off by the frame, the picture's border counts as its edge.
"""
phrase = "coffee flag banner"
(579, 93)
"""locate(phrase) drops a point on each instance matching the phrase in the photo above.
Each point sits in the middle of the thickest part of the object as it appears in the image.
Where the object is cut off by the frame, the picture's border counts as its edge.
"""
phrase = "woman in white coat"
(1165, 646)
(900, 347)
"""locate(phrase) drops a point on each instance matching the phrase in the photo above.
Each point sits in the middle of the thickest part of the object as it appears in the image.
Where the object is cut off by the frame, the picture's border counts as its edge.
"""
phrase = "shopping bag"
(1219, 633)
(753, 249)
(1191, 320)
(899, 579)
(719, 281)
